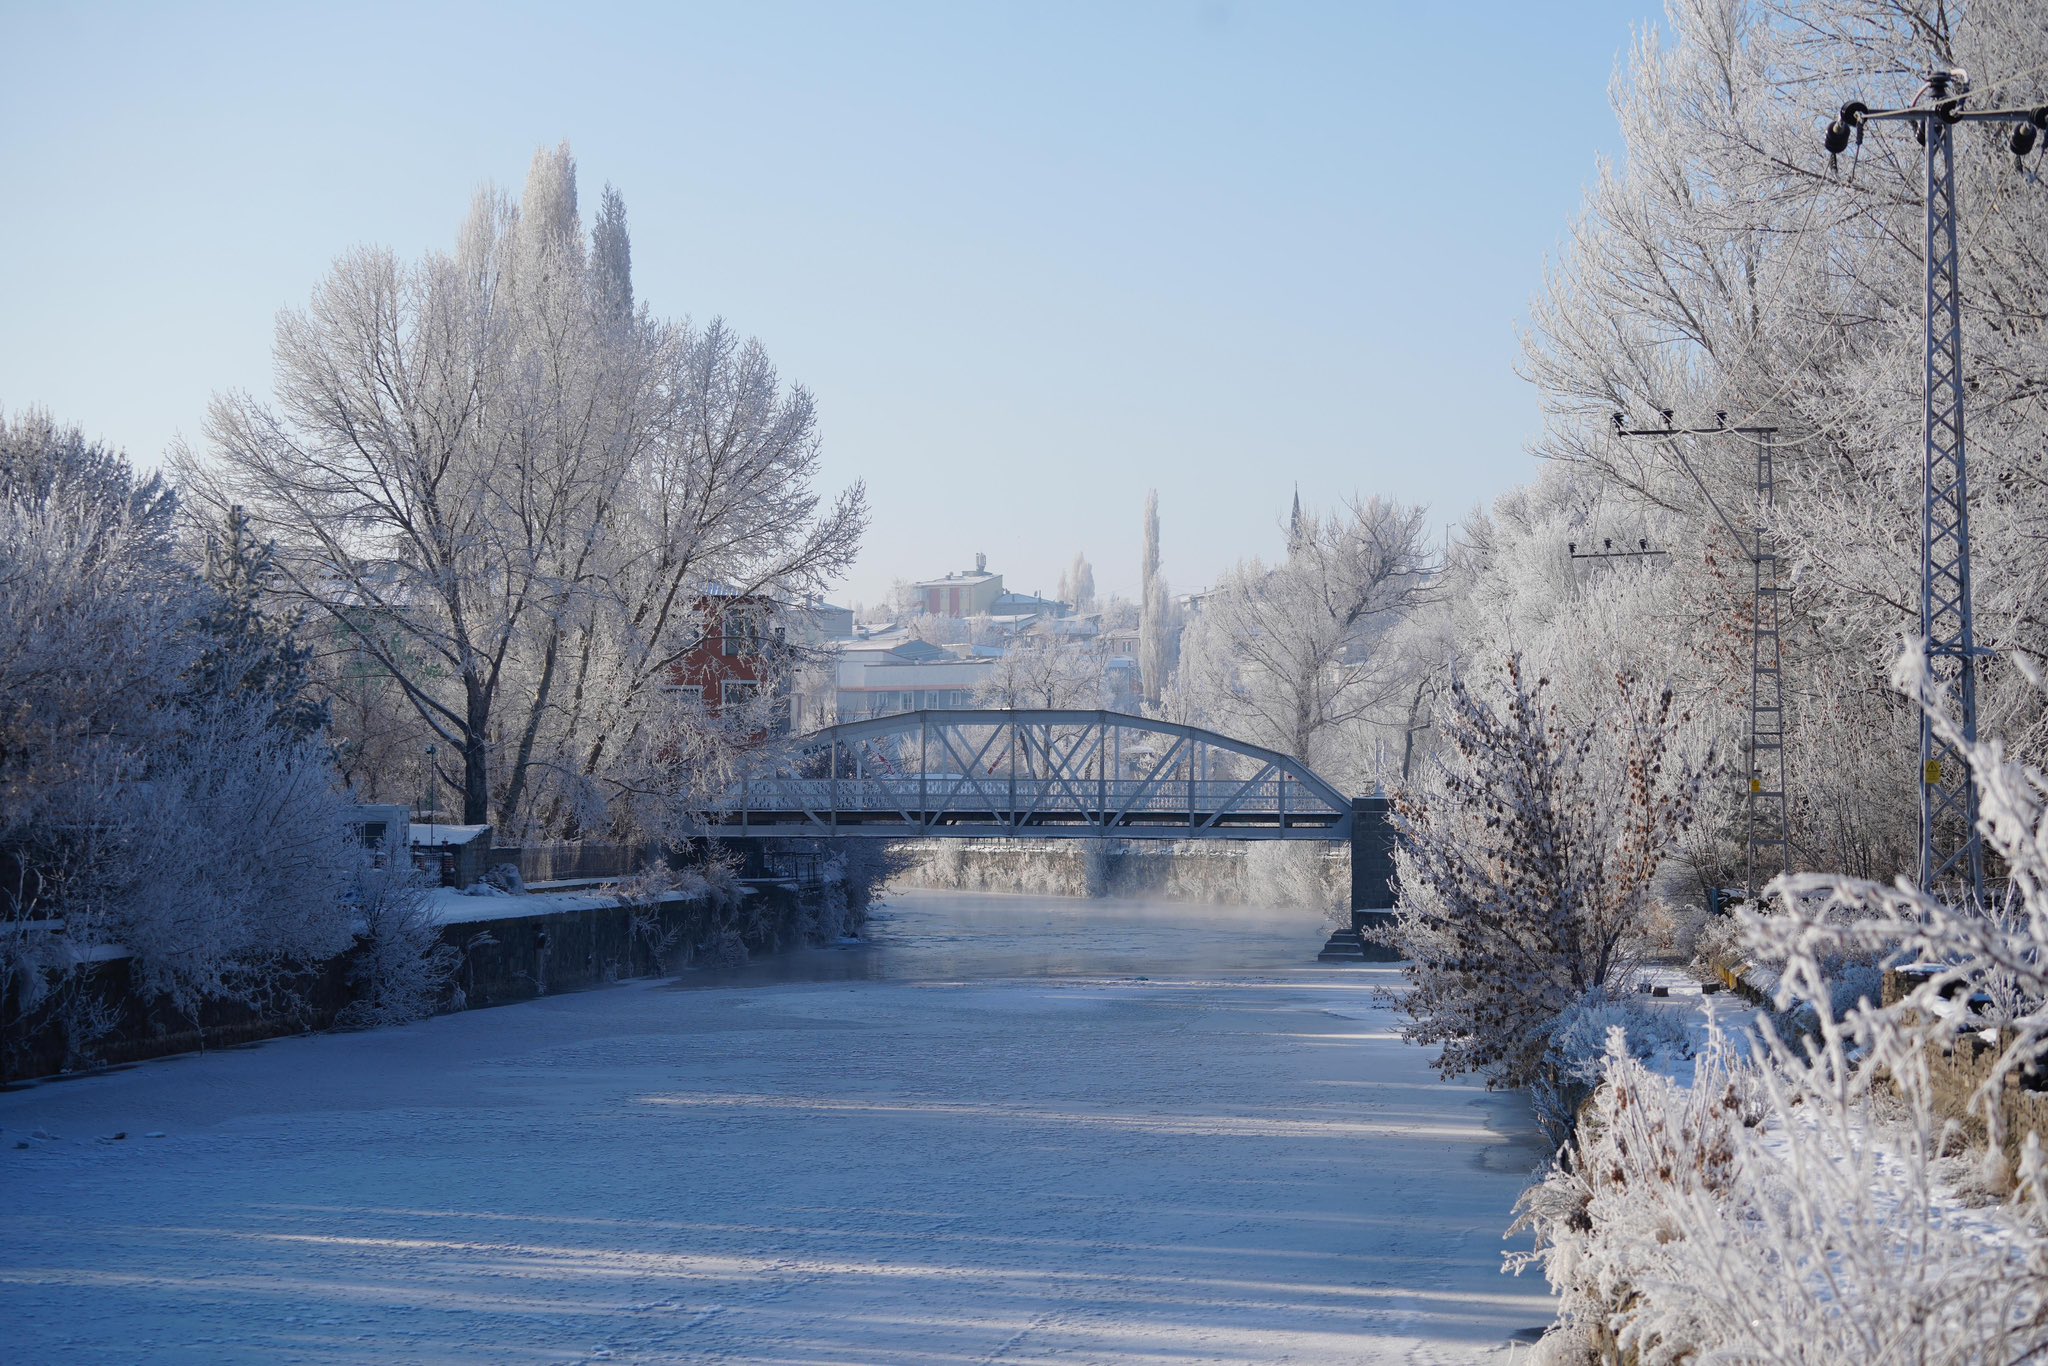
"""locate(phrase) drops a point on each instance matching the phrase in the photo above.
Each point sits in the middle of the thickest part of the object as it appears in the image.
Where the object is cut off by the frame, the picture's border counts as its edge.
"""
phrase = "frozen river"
(1009, 1129)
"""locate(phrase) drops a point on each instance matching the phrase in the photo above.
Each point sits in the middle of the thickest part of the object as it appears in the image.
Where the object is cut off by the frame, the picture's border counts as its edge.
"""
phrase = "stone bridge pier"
(1372, 876)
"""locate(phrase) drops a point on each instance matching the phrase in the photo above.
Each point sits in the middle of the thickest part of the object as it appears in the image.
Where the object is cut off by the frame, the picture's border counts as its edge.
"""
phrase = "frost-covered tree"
(1525, 866)
(1157, 638)
(510, 493)
(159, 789)
(1723, 265)
(611, 260)
(1044, 673)
(1288, 656)
(1077, 584)
(250, 647)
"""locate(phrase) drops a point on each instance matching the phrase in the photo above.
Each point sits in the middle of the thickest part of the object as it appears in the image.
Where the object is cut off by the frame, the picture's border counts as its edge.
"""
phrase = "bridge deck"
(1028, 809)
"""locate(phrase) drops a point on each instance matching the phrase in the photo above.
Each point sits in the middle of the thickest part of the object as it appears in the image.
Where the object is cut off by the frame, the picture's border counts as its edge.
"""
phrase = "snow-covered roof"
(958, 578)
(444, 832)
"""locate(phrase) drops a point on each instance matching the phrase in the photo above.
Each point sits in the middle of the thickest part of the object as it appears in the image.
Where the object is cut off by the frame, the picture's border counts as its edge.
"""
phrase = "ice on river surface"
(981, 1137)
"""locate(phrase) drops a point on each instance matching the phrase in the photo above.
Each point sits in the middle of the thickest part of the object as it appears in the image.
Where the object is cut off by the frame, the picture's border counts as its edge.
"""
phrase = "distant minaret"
(1294, 521)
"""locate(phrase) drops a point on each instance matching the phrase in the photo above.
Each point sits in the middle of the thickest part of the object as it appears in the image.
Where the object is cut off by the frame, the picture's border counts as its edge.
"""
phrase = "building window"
(737, 692)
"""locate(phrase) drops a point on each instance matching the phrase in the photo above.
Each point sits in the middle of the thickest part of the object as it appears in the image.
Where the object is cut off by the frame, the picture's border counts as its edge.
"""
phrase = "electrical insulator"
(1836, 140)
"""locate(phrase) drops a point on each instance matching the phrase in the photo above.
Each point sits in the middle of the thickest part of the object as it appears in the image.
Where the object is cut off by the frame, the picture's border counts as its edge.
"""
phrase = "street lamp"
(434, 794)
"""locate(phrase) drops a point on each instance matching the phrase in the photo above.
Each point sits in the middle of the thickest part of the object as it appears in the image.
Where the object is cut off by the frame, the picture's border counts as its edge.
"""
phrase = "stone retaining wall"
(1218, 871)
(506, 958)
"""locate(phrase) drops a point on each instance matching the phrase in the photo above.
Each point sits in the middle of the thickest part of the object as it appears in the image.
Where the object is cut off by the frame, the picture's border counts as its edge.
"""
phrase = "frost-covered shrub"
(234, 859)
(727, 947)
(1990, 964)
(402, 966)
(1584, 1036)
(1602, 1218)
(1524, 866)
(943, 863)
(1672, 930)
(1095, 868)
(1799, 1207)
(1778, 1211)
(865, 870)
(831, 920)
(1720, 943)
(1290, 873)
(1581, 1039)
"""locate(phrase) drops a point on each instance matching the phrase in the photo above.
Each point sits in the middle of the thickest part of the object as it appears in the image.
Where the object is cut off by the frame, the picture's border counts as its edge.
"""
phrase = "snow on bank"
(466, 906)
(1198, 1167)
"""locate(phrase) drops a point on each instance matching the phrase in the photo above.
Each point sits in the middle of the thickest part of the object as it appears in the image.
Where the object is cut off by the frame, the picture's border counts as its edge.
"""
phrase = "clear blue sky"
(1033, 258)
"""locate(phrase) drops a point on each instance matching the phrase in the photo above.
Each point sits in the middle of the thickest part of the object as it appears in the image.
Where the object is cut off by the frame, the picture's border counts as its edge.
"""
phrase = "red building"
(739, 654)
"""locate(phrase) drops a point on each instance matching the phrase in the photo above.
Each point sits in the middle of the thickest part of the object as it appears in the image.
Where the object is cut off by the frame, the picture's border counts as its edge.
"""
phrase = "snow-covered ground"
(1012, 1129)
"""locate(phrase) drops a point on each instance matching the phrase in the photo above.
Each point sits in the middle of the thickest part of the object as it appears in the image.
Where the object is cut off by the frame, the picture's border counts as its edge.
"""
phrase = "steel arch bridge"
(1051, 774)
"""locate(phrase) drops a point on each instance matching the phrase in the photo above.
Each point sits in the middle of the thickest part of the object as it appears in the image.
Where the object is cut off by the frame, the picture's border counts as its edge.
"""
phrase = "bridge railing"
(1000, 796)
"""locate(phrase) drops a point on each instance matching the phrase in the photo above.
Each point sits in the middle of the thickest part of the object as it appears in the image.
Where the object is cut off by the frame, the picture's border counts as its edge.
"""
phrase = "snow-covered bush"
(1988, 965)
(1583, 1037)
(829, 915)
(1720, 943)
(229, 866)
(866, 868)
(1525, 865)
(1779, 1211)
(1672, 930)
(403, 966)
(1294, 873)
(943, 863)
(1812, 1204)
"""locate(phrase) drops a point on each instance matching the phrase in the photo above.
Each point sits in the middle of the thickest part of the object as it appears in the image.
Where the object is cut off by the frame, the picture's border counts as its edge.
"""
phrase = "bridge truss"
(1032, 775)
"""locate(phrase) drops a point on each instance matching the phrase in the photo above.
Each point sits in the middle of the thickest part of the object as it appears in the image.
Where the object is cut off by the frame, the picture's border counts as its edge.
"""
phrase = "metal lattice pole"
(1951, 849)
(1950, 846)
(1769, 821)
(1768, 834)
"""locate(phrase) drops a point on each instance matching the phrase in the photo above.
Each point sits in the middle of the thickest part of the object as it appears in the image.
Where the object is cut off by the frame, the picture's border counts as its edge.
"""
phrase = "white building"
(883, 676)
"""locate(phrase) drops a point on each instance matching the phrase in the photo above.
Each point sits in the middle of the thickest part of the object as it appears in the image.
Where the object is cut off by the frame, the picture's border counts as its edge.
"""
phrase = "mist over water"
(953, 936)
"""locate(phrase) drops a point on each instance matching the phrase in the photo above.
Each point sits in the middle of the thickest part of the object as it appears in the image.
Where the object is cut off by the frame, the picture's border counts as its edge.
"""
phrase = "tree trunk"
(515, 790)
(476, 773)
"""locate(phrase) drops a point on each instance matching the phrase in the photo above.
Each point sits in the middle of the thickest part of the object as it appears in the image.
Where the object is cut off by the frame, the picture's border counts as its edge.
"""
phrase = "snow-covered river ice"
(1007, 1129)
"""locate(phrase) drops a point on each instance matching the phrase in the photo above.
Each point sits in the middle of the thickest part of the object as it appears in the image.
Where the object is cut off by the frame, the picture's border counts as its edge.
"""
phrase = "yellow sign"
(1756, 784)
(1933, 774)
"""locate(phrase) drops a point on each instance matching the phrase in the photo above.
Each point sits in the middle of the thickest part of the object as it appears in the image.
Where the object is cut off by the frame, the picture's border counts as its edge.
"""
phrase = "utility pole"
(1768, 842)
(1951, 848)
